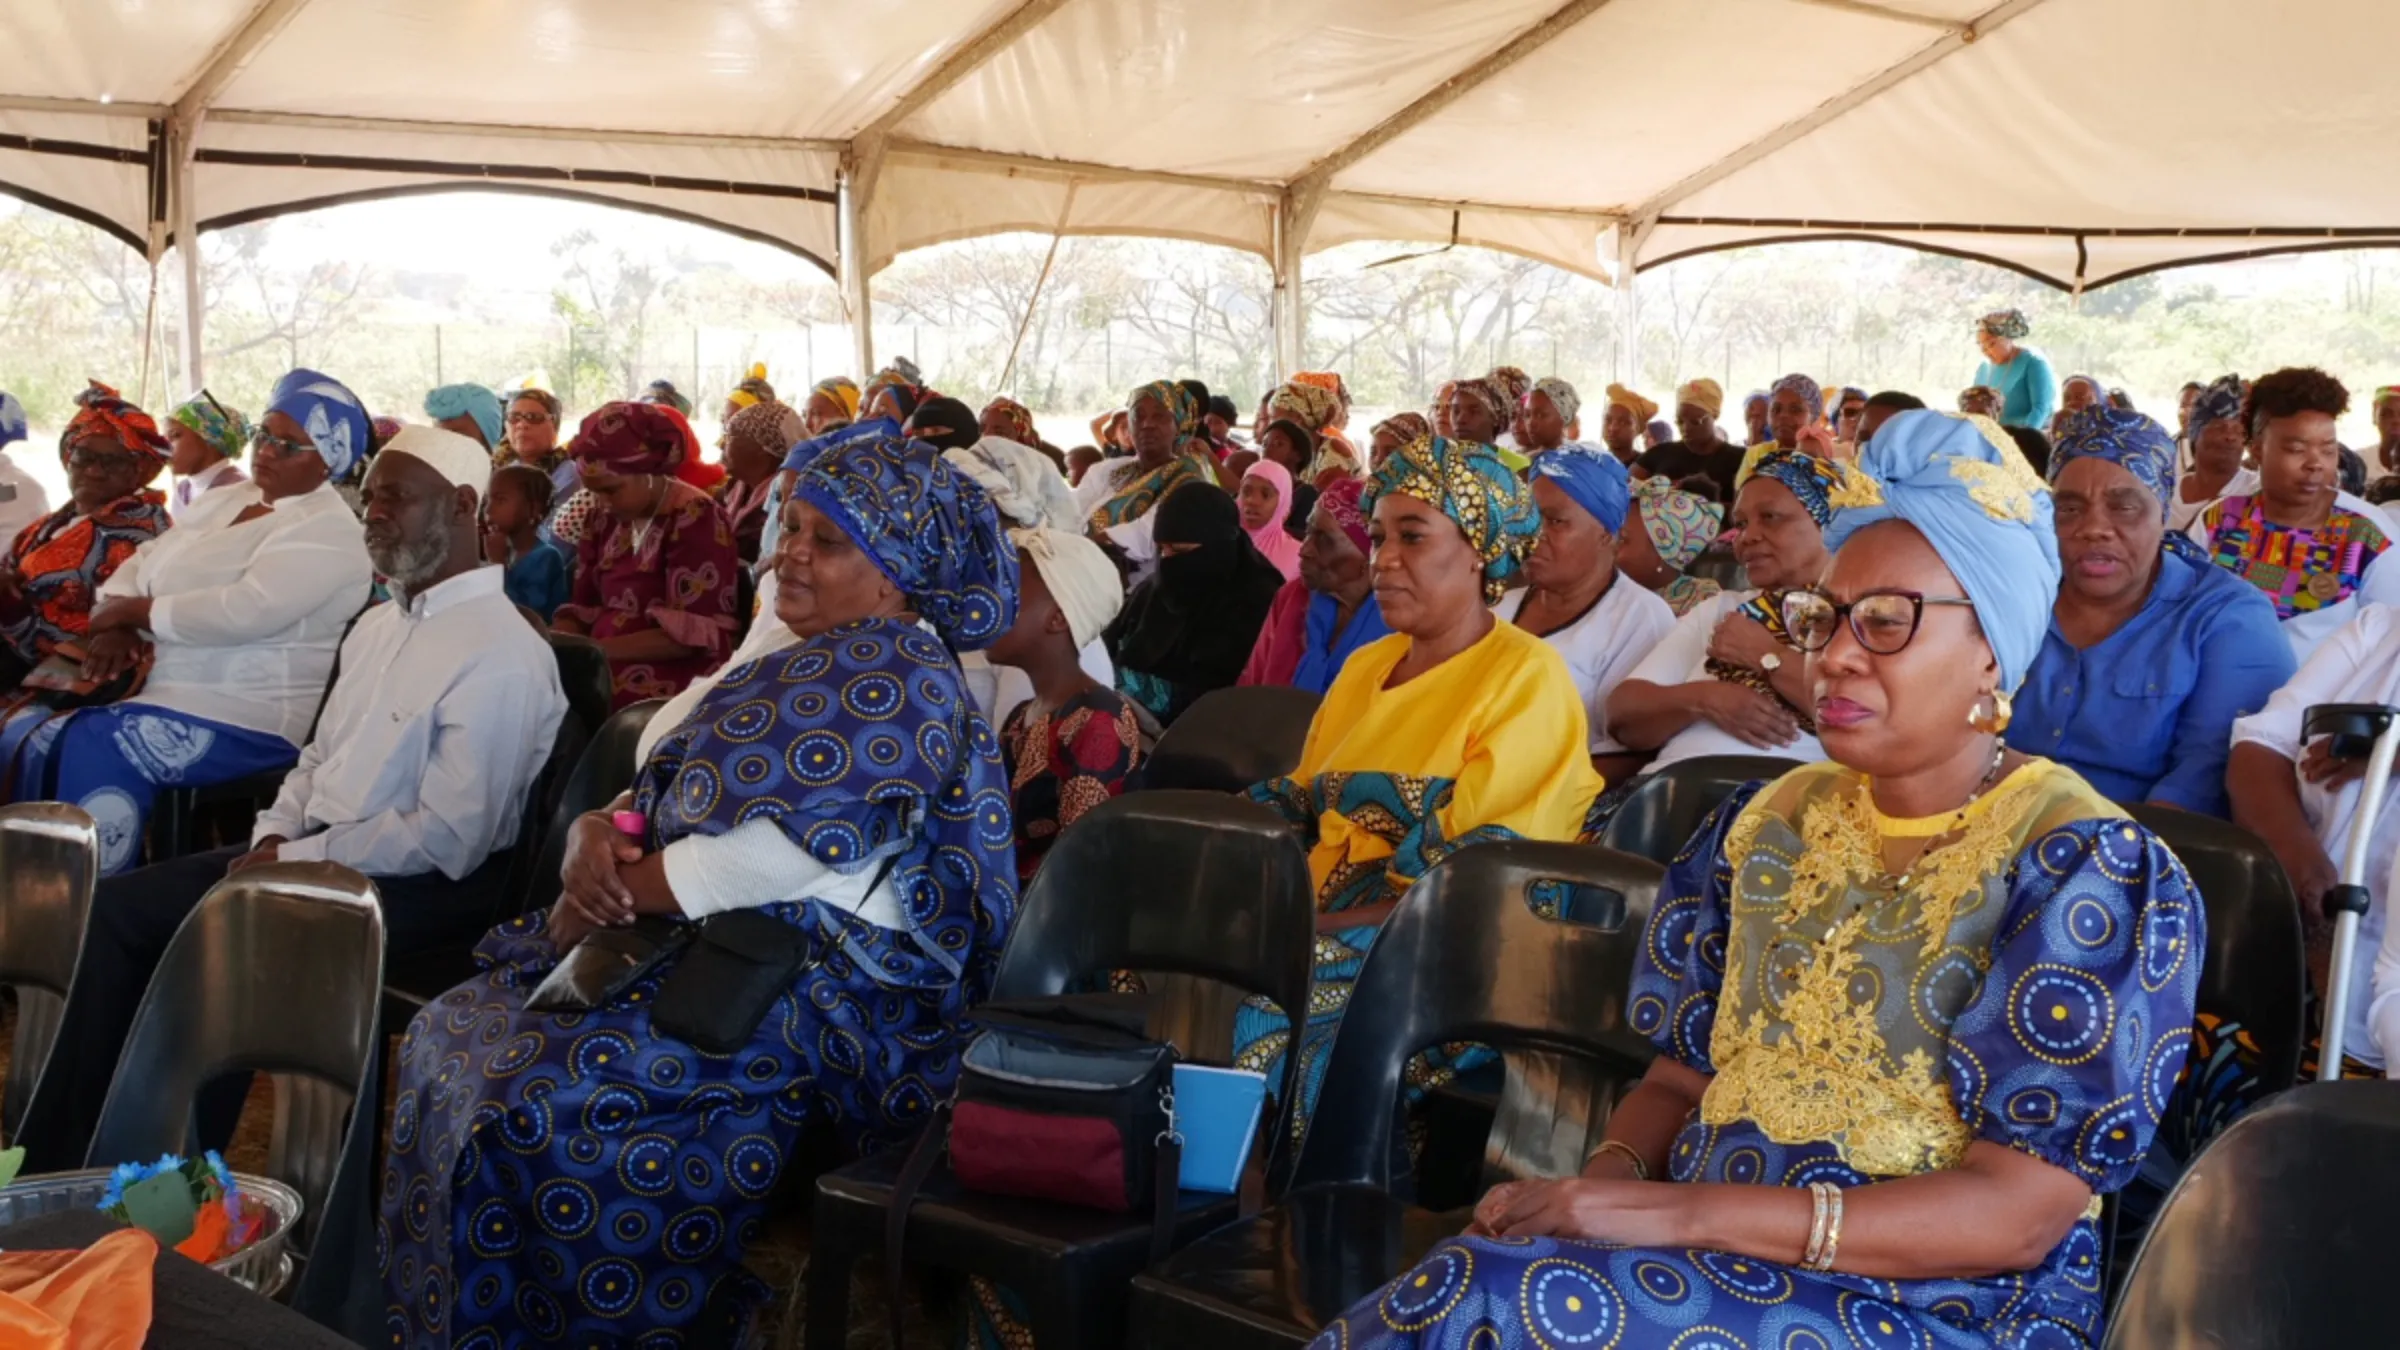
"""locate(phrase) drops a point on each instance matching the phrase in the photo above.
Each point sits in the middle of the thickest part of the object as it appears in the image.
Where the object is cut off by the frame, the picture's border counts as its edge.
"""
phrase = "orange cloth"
(94, 1299)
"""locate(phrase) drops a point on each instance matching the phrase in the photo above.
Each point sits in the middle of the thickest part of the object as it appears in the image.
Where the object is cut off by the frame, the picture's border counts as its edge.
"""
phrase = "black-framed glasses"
(281, 447)
(1884, 622)
(526, 419)
(87, 456)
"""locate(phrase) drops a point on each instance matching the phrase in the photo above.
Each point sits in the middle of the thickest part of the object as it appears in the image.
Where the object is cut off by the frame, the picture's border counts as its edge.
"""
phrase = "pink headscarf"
(1271, 538)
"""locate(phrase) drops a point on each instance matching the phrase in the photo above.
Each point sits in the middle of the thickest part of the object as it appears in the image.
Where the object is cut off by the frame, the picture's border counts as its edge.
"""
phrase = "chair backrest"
(604, 769)
(2280, 1236)
(1466, 958)
(583, 676)
(49, 859)
(1232, 738)
(1177, 882)
(1665, 812)
(279, 970)
(1721, 568)
(2254, 975)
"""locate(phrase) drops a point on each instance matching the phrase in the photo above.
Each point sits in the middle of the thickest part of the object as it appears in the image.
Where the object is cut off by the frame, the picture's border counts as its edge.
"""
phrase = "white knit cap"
(454, 457)
(1080, 577)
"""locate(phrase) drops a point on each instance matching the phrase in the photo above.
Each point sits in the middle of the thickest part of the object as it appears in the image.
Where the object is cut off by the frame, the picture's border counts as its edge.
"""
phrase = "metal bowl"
(263, 1267)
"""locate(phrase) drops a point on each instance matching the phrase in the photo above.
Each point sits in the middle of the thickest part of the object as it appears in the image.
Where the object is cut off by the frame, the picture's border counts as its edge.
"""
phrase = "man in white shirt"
(445, 709)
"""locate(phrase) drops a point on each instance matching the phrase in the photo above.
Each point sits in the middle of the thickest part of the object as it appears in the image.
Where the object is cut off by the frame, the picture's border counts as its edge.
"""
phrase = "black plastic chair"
(583, 677)
(2280, 1236)
(1464, 958)
(1189, 882)
(1665, 812)
(1232, 738)
(49, 862)
(274, 972)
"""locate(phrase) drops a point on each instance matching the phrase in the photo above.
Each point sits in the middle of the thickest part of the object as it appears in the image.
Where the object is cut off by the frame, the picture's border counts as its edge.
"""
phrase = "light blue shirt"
(2146, 713)
(2028, 389)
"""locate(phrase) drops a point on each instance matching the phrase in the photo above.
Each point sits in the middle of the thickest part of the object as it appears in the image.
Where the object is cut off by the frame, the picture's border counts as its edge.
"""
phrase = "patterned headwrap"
(2220, 401)
(1311, 407)
(381, 430)
(2130, 441)
(1491, 396)
(1016, 417)
(2383, 395)
(101, 415)
(928, 528)
(1176, 399)
(752, 389)
(1513, 384)
(333, 419)
(471, 401)
(1809, 391)
(2006, 323)
(225, 429)
(629, 438)
(1596, 479)
(1964, 485)
(1405, 426)
(903, 379)
(1331, 382)
(1562, 396)
(1680, 524)
(770, 423)
(1025, 487)
(1466, 481)
(1811, 479)
(12, 419)
(1344, 499)
(841, 390)
(1706, 395)
(1642, 409)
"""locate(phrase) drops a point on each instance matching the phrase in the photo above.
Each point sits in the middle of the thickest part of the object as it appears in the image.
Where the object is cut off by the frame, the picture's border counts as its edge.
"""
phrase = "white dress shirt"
(2359, 663)
(445, 710)
(1604, 645)
(191, 492)
(247, 616)
(1682, 657)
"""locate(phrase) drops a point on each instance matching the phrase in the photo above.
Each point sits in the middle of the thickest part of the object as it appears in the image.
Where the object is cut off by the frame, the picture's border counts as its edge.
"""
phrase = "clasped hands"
(593, 892)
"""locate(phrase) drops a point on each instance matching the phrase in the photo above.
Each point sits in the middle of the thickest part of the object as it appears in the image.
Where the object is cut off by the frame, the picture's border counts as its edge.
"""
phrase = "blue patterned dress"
(2033, 988)
(585, 1179)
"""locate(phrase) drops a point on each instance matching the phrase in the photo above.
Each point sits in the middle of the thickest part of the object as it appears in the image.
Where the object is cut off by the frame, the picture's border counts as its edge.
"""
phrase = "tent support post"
(1295, 214)
(862, 164)
(187, 251)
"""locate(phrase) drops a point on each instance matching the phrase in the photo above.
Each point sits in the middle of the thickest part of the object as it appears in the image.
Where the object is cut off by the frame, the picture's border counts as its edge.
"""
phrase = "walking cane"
(2358, 730)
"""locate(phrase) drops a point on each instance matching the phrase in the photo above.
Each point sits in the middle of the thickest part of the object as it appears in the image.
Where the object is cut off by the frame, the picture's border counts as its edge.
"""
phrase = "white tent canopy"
(2076, 141)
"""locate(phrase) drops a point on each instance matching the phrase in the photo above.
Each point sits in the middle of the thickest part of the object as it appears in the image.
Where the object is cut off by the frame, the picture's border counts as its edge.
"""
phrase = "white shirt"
(757, 863)
(192, 491)
(1682, 657)
(23, 500)
(2182, 515)
(445, 710)
(1604, 645)
(2378, 585)
(247, 616)
(2359, 663)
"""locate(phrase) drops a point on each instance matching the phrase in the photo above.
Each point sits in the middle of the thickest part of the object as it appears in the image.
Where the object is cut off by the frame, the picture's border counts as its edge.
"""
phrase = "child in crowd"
(537, 571)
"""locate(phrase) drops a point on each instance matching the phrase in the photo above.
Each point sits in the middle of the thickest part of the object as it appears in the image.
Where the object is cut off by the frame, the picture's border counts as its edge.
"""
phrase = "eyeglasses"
(281, 447)
(1884, 622)
(87, 457)
(526, 419)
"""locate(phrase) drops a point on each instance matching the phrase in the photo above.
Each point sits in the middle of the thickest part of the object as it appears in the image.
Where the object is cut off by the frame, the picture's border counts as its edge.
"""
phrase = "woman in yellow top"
(1454, 730)
(1933, 978)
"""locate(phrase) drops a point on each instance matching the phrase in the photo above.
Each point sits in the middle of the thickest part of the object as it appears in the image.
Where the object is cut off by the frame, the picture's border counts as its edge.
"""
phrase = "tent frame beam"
(1875, 11)
(267, 19)
(963, 61)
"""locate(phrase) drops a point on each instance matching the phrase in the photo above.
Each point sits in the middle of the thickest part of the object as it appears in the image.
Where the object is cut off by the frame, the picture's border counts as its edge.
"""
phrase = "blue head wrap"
(809, 451)
(468, 400)
(1466, 481)
(928, 527)
(1962, 483)
(2221, 400)
(2130, 441)
(1596, 479)
(1809, 478)
(329, 414)
(12, 419)
(1806, 388)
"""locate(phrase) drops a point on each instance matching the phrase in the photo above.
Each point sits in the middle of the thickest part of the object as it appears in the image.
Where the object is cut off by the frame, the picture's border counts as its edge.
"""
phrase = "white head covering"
(459, 460)
(1080, 578)
(1025, 487)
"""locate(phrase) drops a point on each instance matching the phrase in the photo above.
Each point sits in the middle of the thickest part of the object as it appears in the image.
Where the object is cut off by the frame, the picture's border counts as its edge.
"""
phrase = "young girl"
(519, 500)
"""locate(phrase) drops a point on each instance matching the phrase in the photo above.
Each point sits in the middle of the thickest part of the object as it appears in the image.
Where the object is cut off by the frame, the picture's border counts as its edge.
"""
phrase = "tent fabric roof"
(2077, 141)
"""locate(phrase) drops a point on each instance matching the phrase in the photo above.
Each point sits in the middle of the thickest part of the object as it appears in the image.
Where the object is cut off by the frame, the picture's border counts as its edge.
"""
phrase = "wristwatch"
(1771, 662)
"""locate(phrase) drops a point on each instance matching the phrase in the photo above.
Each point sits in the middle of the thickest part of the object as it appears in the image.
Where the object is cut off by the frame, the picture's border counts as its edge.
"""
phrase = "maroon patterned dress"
(678, 578)
(1063, 763)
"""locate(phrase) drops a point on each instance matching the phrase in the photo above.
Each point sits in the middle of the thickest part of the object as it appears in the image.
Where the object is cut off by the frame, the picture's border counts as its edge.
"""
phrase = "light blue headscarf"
(12, 419)
(468, 400)
(330, 415)
(1962, 483)
(1596, 479)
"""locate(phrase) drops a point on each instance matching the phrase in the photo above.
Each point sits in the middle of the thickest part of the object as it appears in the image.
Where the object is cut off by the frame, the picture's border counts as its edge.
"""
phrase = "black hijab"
(1194, 623)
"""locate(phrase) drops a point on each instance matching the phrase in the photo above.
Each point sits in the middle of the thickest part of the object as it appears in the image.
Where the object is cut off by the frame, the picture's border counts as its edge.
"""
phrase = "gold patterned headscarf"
(1466, 481)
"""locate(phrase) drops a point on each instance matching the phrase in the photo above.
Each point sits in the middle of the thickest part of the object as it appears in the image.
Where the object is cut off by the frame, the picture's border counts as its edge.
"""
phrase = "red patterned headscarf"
(1018, 418)
(101, 414)
(630, 438)
(1344, 500)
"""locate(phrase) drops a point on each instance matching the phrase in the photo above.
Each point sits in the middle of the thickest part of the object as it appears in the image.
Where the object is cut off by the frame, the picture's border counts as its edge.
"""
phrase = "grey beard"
(411, 561)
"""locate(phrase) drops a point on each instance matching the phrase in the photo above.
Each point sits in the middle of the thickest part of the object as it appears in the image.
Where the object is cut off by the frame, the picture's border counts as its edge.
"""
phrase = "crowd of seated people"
(1970, 643)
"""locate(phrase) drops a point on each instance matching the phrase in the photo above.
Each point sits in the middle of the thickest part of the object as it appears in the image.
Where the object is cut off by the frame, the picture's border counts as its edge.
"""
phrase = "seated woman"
(1265, 499)
(471, 410)
(1029, 495)
(1931, 979)
(2152, 652)
(1725, 682)
(1549, 416)
(1118, 495)
(204, 438)
(1190, 628)
(1677, 526)
(832, 404)
(654, 578)
(1454, 730)
(756, 440)
(1328, 423)
(1072, 745)
(1795, 422)
(591, 1177)
(2218, 446)
(2310, 546)
(1479, 414)
(56, 565)
(239, 617)
(1601, 621)
(1393, 432)
(1329, 610)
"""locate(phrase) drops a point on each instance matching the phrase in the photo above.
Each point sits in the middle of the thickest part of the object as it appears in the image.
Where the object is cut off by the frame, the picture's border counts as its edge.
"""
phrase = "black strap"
(921, 1157)
(1166, 1171)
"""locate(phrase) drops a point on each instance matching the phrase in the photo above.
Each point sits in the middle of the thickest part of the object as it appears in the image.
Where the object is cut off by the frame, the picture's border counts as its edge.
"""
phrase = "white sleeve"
(2383, 1015)
(1645, 628)
(755, 863)
(1684, 649)
(2321, 679)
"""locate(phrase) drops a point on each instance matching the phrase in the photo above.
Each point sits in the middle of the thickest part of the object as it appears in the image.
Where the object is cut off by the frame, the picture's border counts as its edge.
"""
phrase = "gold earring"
(1992, 723)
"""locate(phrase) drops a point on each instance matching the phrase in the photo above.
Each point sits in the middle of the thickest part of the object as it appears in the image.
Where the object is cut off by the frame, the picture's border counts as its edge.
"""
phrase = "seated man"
(445, 709)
